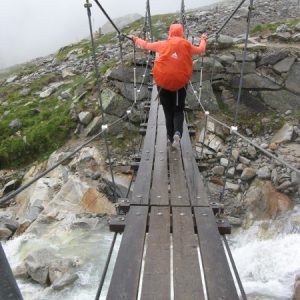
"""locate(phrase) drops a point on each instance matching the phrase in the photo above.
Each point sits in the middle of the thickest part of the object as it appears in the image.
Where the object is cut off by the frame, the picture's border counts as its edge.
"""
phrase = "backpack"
(174, 66)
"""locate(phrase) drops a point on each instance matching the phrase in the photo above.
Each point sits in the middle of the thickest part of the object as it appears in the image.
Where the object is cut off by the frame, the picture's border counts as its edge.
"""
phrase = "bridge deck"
(171, 224)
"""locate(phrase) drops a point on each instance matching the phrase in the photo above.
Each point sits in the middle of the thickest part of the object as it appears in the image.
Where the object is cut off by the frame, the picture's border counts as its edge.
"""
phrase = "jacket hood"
(176, 30)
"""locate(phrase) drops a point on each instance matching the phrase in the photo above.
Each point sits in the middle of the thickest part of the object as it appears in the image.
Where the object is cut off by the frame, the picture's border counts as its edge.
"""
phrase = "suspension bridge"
(174, 242)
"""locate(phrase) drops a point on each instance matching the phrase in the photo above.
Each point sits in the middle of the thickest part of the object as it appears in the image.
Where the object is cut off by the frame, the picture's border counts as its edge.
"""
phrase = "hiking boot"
(176, 142)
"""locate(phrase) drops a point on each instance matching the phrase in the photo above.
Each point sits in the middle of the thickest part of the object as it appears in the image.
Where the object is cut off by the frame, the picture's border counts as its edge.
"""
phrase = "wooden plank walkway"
(171, 223)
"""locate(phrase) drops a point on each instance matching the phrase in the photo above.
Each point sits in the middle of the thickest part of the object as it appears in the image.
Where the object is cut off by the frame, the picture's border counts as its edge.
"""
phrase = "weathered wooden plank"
(197, 192)
(218, 278)
(178, 186)
(156, 279)
(125, 279)
(159, 189)
(187, 278)
(141, 189)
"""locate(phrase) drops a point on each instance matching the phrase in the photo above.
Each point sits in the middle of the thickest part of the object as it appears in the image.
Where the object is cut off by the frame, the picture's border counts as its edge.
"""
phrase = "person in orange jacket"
(172, 71)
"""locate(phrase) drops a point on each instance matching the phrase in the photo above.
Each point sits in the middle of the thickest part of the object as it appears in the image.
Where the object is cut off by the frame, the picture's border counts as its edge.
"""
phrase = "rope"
(230, 17)
(107, 16)
(100, 104)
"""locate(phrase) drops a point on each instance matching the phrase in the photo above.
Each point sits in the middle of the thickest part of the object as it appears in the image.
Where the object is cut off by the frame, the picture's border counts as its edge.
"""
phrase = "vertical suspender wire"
(106, 267)
(233, 139)
(134, 74)
(88, 7)
(149, 20)
(201, 79)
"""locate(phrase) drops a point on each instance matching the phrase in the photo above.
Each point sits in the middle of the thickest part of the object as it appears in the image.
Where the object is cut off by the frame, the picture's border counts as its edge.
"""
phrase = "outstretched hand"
(131, 37)
(204, 37)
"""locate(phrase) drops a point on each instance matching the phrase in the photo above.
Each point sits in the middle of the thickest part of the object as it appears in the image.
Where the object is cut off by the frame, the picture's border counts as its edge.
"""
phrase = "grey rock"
(251, 151)
(244, 160)
(254, 82)
(37, 265)
(235, 221)
(218, 170)
(114, 103)
(25, 92)
(11, 186)
(127, 91)
(11, 79)
(209, 63)
(284, 135)
(282, 28)
(272, 58)
(224, 41)
(240, 167)
(15, 124)
(297, 27)
(47, 93)
(65, 280)
(226, 59)
(250, 57)
(209, 102)
(284, 65)
(235, 68)
(212, 141)
(11, 224)
(5, 233)
(232, 187)
(224, 162)
(85, 117)
(281, 100)
(126, 74)
(280, 36)
(59, 267)
(67, 73)
(295, 179)
(292, 82)
(296, 37)
(231, 172)
(94, 127)
(248, 174)
(264, 173)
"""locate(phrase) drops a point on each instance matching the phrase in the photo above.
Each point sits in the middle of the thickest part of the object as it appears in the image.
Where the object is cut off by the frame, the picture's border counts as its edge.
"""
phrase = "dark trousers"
(173, 105)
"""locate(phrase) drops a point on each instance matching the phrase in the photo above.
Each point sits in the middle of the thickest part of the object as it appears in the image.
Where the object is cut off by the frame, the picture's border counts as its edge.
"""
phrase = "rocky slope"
(59, 92)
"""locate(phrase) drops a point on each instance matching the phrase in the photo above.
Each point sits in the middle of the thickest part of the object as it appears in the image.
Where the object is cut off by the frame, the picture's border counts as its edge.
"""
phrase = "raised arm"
(202, 47)
(156, 46)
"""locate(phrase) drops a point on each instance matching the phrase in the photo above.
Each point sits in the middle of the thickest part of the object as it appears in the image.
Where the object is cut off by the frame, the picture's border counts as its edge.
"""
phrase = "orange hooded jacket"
(174, 66)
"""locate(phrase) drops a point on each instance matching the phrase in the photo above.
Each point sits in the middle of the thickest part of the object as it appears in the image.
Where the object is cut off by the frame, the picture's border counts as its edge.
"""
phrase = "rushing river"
(267, 256)
(91, 249)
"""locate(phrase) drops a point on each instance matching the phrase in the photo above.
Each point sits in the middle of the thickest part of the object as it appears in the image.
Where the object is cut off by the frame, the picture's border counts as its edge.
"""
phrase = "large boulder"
(272, 58)
(126, 89)
(254, 82)
(114, 103)
(284, 65)
(235, 68)
(262, 201)
(209, 63)
(208, 98)
(126, 74)
(281, 100)
(284, 135)
(292, 82)
(96, 202)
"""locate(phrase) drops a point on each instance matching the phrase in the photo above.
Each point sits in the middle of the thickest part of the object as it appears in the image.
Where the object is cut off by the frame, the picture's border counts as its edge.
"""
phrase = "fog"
(33, 28)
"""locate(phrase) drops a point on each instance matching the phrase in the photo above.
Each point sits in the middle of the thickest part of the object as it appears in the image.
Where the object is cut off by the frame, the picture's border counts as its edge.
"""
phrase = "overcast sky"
(33, 28)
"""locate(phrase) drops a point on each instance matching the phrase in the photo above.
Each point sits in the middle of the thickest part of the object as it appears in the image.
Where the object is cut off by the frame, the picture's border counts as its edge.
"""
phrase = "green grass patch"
(44, 132)
(271, 27)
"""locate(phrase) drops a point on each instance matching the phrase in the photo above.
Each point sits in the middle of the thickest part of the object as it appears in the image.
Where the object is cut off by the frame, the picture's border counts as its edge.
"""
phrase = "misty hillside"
(120, 22)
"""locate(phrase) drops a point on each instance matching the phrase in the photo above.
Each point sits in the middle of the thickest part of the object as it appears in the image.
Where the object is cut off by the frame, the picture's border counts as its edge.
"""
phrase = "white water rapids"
(267, 256)
(91, 249)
